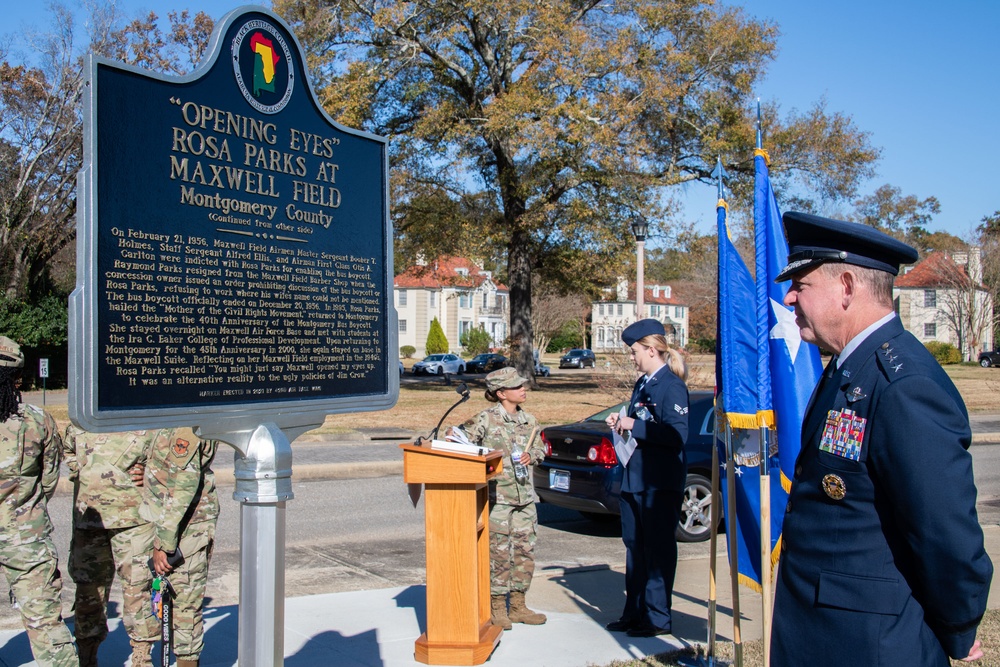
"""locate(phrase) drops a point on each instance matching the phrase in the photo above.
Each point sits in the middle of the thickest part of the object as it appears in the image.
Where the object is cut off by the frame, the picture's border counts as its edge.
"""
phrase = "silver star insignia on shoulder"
(895, 369)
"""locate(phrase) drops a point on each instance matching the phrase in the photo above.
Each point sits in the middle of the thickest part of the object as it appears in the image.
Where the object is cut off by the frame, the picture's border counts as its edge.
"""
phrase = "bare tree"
(41, 128)
(550, 311)
(965, 306)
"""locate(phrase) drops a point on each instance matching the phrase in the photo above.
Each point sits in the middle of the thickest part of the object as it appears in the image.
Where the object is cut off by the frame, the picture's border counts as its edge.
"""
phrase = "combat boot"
(499, 615)
(86, 650)
(142, 654)
(186, 663)
(519, 613)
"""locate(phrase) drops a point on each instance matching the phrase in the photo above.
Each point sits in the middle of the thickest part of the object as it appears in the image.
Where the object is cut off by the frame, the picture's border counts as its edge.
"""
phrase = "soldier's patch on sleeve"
(181, 447)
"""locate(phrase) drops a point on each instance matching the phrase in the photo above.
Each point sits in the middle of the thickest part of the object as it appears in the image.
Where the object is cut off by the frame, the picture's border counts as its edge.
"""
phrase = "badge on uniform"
(843, 434)
(643, 413)
(834, 487)
(181, 447)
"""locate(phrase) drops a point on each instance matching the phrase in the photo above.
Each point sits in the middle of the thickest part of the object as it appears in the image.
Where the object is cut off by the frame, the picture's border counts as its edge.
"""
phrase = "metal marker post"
(263, 484)
(43, 372)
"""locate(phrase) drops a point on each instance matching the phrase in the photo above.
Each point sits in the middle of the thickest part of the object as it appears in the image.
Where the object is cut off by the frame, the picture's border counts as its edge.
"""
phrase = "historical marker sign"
(234, 250)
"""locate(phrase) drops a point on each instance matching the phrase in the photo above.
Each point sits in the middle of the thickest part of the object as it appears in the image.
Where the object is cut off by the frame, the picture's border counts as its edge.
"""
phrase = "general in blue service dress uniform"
(882, 556)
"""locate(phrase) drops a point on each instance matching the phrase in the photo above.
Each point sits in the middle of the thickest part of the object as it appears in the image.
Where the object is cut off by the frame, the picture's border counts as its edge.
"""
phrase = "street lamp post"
(639, 227)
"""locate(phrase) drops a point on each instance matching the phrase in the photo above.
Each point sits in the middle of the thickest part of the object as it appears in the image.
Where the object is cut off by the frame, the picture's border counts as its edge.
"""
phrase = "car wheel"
(696, 510)
(440, 370)
(593, 364)
(985, 362)
(461, 370)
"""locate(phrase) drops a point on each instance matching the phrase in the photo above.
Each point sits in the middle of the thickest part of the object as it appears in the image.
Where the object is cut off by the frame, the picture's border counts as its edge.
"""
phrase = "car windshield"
(435, 357)
(481, 357)
(576, 353)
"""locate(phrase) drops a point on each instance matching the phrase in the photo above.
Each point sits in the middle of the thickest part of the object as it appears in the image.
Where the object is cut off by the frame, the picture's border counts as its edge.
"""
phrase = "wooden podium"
(456, 516)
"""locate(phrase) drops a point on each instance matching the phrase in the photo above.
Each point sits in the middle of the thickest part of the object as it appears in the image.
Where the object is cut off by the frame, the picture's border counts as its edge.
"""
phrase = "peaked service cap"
(504, 378)
(813, 240)
(10, 354)
(639, 330)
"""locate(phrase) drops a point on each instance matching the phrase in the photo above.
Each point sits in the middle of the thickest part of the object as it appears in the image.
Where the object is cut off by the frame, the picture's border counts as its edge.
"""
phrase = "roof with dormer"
(937, 270)
(446, 272)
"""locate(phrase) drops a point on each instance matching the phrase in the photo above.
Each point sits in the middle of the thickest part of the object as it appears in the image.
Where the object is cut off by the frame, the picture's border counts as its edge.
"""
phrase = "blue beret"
(638, 330)
(813, 240)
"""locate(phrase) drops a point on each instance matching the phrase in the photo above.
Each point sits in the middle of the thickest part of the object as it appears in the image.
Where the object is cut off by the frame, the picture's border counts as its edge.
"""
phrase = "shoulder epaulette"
(893, 362)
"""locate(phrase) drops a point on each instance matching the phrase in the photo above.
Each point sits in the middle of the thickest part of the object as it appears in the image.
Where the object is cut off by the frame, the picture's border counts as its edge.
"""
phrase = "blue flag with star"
(736, 386)
(794, 366)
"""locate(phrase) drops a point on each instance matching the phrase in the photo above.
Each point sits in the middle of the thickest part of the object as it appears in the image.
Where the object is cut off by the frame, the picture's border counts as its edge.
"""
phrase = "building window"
(678, 312)
(600, 337)
(402, 297)
(433, 297)
(621, 309)
(463, 300)
(930, 330)
(402, 326)
(600, 309)
(486, 300)
(464, 327)
(930, 298)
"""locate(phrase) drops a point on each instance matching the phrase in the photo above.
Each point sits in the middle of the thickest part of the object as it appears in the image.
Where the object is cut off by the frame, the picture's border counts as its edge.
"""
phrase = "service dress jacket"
(882, 556)
(660, 409)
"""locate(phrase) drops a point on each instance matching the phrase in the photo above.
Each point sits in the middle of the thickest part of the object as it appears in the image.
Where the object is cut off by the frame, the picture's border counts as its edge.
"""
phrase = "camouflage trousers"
(512, 547)
(32, 571)
(189, 581)
(94, 557)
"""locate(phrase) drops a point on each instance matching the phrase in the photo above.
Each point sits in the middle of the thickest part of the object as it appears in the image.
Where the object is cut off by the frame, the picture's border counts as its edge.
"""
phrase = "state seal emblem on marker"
(262, 63)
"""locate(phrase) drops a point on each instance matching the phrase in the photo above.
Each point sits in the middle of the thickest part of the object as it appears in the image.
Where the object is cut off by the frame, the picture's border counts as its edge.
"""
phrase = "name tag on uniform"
(843, 434)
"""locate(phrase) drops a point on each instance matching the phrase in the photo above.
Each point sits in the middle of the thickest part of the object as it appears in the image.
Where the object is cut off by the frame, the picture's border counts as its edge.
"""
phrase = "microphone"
(461, 389)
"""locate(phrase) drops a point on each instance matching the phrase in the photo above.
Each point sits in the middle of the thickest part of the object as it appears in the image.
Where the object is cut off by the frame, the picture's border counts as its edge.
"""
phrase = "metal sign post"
(43, 372)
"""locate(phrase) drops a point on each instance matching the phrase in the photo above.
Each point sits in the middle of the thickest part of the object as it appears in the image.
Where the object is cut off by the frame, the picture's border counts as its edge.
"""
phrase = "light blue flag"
(736, 379)
(794, 365)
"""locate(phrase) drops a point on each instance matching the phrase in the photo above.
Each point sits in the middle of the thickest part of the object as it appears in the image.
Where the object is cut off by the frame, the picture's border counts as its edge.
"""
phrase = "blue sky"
(919, 75)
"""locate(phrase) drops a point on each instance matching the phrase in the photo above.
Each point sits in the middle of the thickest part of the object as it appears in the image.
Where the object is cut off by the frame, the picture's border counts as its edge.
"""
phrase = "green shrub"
(407, 351)
(945, 353)
(567, 337)
(437, 343)
(476, 341)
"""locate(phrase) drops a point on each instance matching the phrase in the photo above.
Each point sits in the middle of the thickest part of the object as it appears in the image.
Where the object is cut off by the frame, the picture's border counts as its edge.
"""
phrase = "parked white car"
(439, 364)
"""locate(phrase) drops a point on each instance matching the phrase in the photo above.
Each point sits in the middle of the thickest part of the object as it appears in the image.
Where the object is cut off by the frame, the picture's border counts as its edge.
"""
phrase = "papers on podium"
(457, 441)
(623, 447)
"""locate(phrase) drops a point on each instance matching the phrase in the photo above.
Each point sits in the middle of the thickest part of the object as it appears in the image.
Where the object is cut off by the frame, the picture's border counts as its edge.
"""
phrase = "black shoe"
(645, 630)
(621, 625)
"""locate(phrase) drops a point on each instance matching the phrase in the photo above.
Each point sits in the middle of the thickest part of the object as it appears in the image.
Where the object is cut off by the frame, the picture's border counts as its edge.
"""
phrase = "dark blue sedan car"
(581, 470)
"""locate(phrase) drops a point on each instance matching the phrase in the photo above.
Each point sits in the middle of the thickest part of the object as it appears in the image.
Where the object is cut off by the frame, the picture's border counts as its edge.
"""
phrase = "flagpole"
(713, 544)
(765, 542)
(733, 543)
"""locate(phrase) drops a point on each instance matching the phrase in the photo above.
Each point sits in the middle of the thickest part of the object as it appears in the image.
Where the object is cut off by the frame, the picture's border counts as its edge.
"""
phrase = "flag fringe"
(742, 420)
(786, 483)
(750, 583)
(751, 421)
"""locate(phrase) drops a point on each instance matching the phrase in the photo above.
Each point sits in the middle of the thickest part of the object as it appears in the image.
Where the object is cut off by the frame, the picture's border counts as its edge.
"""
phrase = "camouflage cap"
(505, 378)
(10, 353)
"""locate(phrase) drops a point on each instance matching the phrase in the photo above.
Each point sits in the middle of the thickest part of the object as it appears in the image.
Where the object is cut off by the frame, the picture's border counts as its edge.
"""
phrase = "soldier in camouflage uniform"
(513, 518)
(179, 498)
(29, 470)
(109, 535)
